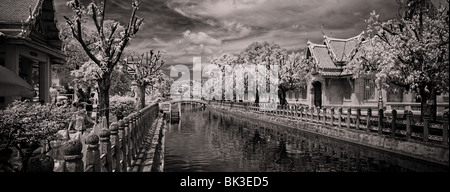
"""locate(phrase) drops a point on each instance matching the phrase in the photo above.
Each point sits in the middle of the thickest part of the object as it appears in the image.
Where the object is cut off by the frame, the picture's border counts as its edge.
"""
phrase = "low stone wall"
(124, 146)
(432, 152)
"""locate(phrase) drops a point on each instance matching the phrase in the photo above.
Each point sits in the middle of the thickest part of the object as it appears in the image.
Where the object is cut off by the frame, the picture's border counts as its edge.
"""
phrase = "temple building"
(333, 86)
(30, 44)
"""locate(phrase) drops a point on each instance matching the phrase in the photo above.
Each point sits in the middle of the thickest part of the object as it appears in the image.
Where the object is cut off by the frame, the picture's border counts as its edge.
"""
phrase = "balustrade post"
(394, 122)
(305, 115)
(139, 126)
(340, 117)
(349, 113)
(311, 114)
(278, 110)
(123, 145)
(92, 154)
(105, 148)
(301, 113)
(426, 121)
(73, 156)
(128, 144)
(332, 116)
(296, 111)
(409, 116)
(445, 127)
(292, 109)
(114, 127)
(318, 114)
(358, 115)
(380, 121)
(133, 136)
(368, 119)
(324, 113)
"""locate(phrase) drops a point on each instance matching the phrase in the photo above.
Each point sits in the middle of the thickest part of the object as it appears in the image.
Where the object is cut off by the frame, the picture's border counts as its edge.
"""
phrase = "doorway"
(317, 94)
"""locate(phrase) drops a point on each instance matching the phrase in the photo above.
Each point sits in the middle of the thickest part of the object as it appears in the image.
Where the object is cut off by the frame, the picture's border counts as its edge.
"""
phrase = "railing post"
(394, 122)
(114, 127)
(105, 148)
(445, 127)
(409, 116)
(73, 156)
(426, 121)
(311, 113)
(292, 110)
(368, 119)
(128, 144)
(349, 113)
(318, 114)
(332, 116)
(133, 135)
(92, 154)
(340, 117)
(380, 121)
(139, 126)
(306, 110)
(358, 115)
(324, 113)
(295, 113)
(301, 113)
(123, 145)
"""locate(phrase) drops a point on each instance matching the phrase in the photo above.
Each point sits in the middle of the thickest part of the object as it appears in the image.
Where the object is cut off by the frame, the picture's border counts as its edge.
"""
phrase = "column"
(45, 80)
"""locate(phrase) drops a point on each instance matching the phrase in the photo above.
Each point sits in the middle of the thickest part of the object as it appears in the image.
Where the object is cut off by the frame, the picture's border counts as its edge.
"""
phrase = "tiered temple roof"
(33, 21)
(333, 54)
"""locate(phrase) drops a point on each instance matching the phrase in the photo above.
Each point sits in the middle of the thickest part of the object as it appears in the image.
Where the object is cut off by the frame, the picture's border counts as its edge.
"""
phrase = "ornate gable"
(34, 19)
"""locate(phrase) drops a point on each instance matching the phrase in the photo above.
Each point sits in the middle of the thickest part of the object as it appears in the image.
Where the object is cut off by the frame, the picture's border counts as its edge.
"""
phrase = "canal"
(205, 140)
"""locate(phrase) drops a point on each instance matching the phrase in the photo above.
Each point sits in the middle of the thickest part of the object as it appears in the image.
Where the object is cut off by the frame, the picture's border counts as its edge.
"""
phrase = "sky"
(184, 29)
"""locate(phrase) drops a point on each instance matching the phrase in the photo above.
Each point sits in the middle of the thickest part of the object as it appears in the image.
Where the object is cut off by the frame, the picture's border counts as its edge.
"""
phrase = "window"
(369, 89)
(304, 93)
(395, 94)
(297, 94)
(347, 89)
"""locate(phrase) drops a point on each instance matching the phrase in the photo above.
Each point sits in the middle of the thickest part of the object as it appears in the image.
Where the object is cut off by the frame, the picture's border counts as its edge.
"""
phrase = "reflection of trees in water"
(266, 147)
(223, 140)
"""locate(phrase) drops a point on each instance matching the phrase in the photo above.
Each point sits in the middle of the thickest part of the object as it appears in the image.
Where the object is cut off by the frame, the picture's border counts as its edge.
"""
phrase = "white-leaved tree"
(106, 46)
(147, 72)
(409, 52)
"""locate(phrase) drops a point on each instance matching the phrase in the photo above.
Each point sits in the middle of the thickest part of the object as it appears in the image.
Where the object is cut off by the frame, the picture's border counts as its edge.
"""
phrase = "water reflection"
(207, 140)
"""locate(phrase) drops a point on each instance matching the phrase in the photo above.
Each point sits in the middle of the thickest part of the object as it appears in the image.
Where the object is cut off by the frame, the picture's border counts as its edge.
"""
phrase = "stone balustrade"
(399, 126)
(115, 148)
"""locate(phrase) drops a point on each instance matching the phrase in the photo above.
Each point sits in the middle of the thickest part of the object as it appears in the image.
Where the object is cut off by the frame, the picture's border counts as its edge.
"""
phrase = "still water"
(206, 140)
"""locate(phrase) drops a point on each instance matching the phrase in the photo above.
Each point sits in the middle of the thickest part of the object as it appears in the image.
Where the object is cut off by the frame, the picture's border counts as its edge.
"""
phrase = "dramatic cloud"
(206, 28)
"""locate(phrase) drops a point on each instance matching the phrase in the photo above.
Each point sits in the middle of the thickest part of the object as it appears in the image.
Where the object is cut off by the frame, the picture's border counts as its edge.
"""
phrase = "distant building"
(333, 86)
(29, 43)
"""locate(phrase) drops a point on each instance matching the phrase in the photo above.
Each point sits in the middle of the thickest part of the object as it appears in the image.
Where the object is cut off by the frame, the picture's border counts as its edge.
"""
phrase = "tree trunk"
(282, 95)
(428, 104)
(103, 98)
(257, 96)
(140, 94)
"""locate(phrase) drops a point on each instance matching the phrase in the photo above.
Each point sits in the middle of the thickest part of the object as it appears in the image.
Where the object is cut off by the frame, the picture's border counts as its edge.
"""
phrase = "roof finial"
(31, 13)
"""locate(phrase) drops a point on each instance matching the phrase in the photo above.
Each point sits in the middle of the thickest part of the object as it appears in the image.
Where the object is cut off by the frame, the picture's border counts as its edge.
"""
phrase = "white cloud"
(200, 38)
(235, 30)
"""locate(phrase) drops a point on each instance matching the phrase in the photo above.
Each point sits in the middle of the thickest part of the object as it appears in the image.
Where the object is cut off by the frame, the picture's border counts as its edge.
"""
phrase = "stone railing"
(400, 126)
(117, 148)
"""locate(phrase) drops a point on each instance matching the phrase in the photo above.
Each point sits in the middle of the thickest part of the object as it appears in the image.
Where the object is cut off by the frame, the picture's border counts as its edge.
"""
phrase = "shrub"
(122, 104)
(27, 126)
